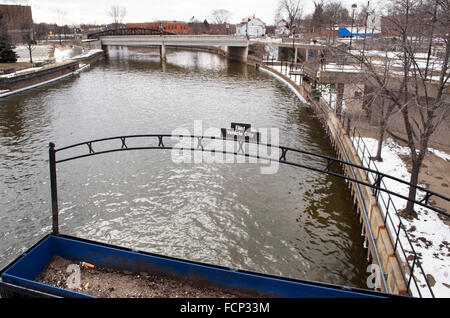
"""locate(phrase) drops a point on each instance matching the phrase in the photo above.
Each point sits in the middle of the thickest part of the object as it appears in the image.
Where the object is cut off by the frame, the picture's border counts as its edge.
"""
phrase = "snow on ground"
(332, 67)
(39, 53)
(67, 53)
(430, 237)
(440, 154)
(428, 234)
(87, 53)
(42, 53)
(62, 54)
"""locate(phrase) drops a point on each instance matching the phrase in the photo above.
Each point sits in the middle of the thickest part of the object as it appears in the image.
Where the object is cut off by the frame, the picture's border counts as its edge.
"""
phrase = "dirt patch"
(108, 283)
(16, 66)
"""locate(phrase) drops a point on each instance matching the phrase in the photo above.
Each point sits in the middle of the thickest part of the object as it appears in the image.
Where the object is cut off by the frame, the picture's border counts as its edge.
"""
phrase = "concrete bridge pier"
(237, 53)
(162, 51)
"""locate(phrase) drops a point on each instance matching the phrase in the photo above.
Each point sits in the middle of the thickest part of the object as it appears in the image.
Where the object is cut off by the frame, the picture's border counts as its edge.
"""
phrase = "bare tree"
(413, 82)
(334, 15)
(28, 39)
(27, 30)
(291, 10)
(117, 14)
(221, 16)
(61, 19)
(318, 18)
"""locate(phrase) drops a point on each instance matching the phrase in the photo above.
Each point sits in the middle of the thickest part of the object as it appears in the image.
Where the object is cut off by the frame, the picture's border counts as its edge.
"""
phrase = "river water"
(296, 223)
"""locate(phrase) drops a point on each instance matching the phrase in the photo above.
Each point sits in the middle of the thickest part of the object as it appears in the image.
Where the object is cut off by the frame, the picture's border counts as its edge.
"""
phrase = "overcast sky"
(96, 11)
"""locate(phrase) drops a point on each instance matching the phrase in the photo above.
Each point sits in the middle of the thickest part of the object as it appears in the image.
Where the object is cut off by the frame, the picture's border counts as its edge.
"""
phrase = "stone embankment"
(377, 238)
(45, 74)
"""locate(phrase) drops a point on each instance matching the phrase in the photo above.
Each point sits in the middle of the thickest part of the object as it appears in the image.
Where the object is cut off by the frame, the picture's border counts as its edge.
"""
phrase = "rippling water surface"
(296, 223)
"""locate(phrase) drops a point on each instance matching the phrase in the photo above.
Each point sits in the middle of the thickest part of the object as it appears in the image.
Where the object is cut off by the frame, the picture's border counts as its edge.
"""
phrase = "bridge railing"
(286, 67)
(129, 31)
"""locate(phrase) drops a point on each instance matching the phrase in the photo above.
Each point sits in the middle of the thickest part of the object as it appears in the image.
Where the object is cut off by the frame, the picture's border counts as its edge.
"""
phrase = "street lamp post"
(365, 27)
(354, 6)
(293, 43)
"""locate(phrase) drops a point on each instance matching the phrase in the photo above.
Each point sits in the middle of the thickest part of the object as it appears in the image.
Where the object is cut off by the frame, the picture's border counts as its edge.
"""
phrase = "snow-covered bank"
(429, 235)
(69, 55)
(39, 53)
(64, 54)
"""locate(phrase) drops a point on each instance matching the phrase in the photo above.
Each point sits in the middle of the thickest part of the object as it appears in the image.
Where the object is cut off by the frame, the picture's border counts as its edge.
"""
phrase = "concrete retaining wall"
(46, 75)
(377, 239)
(91, 59)
(43, 75)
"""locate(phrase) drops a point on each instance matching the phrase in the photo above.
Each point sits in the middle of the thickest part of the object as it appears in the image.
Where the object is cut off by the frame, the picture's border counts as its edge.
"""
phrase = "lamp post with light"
(354, 6)
(293, 43)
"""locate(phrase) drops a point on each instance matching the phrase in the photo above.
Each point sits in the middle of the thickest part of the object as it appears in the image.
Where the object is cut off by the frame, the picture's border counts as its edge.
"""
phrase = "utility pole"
(365, 27)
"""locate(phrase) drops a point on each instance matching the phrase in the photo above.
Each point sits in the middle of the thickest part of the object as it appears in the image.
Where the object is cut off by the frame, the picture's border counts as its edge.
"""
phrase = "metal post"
(354, 6)
(365, 28)
(348, 126)
(412, 271)
(53, 188)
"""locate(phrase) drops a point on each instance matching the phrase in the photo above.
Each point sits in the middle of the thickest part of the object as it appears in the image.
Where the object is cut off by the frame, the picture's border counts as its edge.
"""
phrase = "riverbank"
(224, 214)
(427, 235)
(59, 64)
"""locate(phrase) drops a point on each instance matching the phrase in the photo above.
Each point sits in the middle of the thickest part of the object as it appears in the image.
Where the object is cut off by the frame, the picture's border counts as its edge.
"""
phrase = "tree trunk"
(29, 51)
(413, 190)
(380, 142)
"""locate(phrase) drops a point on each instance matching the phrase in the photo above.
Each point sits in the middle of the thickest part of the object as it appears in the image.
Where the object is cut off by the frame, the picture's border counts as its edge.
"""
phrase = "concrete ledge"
(46, 75)
(43, 75)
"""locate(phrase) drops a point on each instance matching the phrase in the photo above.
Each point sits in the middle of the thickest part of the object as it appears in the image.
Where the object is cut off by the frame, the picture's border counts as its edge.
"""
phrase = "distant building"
(281, 28)
(168, 26)
(19, 21)
(251, 27)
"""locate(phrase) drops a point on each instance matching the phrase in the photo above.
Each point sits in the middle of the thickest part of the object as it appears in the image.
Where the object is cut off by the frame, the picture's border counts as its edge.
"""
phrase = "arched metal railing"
(198, 143)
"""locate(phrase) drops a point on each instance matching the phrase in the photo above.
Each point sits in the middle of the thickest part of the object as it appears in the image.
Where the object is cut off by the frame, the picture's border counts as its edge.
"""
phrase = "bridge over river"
(235, 47)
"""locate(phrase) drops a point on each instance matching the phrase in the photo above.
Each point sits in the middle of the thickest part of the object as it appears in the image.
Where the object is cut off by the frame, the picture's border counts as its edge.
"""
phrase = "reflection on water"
(296, 222)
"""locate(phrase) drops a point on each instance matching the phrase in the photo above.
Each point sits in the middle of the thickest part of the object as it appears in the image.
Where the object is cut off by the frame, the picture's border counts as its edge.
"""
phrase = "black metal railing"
(129, 31)
(289, 67)
(161, 138)
(392, 220)
(399, 236)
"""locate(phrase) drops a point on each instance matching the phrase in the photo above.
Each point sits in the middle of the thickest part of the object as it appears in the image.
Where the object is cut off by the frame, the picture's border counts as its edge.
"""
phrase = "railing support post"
(53, 188)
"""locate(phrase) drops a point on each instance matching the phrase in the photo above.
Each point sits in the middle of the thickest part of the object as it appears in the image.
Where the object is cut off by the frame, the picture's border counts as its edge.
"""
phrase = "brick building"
(19, 21)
